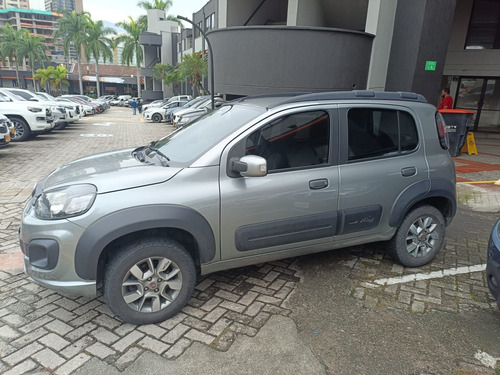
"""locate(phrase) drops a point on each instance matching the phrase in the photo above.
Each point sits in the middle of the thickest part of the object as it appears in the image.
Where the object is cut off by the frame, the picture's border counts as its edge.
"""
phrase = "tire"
(156, 117)
(135, 288)
(419, 238)
(23, 131)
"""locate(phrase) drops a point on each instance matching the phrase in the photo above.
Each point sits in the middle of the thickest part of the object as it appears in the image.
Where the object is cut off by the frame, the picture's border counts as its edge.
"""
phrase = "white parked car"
(74, 110)
(29, 118)
(7, 130)
(187, 98)
(60, 112)
(121, 100)
(157, 114)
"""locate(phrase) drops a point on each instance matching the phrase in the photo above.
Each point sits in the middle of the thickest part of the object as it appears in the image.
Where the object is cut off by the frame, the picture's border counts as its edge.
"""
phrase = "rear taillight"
(441, 130)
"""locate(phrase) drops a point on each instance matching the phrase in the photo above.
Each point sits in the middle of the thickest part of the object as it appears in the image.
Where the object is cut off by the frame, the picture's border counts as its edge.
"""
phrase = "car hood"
(110, 171)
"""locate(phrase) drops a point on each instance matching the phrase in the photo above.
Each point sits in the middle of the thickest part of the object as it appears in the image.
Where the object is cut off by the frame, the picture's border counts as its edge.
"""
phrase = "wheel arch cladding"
(120, 223)
(427, 190)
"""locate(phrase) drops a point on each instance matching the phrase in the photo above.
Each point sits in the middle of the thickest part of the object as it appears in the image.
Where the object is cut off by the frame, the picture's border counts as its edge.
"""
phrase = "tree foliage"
(53, 76)
(193, 67)
(98, 44)
(9, 43)
(169, 74)
(34, 49)
(72, 26)
(131, 46)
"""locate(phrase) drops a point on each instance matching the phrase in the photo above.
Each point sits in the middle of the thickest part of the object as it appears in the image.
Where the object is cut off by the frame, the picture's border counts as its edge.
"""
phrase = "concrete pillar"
(421, 33)
(380, 22)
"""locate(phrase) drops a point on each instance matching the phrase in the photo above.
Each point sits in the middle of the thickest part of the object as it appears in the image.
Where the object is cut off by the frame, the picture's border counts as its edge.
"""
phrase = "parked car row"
(178, 110)
(37, 113)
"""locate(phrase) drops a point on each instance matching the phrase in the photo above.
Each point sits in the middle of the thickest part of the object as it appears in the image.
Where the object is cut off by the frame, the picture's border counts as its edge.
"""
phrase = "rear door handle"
(318, 184)
(409, 171)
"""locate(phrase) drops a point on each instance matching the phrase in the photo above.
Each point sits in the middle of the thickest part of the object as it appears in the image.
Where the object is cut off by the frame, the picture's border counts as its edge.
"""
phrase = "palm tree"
(71, 27)
(131, 47)
(9, 44)
(45, 75)
(194, 67)
(169, 74)
(34, 49)
(59, 78)
(158, 4)
(98, 44)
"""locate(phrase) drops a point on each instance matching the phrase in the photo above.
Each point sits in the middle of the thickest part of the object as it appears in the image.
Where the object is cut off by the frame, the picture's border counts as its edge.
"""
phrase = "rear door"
(382, 168)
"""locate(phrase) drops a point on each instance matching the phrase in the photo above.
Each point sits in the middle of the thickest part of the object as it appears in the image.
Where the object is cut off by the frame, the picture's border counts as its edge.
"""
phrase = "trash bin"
(458, 122)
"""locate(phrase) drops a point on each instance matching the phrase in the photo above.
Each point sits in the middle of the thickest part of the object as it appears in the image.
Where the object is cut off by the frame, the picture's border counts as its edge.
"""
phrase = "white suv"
(59, 110)
(28, 118)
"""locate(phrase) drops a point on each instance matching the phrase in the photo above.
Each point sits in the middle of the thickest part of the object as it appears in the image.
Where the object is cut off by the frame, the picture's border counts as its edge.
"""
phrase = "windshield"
(4, 98)
(14, 96)
(191, 141)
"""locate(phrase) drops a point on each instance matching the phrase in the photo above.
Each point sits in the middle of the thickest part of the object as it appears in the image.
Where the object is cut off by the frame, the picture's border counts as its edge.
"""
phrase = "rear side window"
(374, 133)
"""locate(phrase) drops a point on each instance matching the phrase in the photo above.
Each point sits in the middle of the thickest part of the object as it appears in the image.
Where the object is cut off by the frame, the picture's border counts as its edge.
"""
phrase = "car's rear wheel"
(23, 131)
(419, 238)
(156, 117)
(149, 281)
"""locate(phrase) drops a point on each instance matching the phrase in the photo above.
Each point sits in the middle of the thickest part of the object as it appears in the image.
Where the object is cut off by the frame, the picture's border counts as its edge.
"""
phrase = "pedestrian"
(134, 106)
(139, 106)
(447, 100)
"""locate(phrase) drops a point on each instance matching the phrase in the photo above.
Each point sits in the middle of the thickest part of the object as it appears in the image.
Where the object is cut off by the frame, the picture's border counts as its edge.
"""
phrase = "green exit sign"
(430, 65)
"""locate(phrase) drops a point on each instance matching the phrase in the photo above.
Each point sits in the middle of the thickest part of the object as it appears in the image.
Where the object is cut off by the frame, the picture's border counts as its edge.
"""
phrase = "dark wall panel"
(263, 59)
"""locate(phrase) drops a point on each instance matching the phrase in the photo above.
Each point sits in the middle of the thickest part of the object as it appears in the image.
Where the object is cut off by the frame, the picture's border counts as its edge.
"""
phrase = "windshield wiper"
(159, 153)
(140, 153)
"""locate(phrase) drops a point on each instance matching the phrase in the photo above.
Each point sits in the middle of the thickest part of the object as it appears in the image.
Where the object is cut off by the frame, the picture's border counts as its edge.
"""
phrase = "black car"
(493, 264)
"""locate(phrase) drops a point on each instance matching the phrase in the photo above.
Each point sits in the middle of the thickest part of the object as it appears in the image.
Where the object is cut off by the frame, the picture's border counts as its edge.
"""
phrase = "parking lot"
(351, 311)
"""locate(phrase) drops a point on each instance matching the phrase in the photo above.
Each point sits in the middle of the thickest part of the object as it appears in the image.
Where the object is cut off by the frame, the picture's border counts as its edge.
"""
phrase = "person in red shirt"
(447, 102)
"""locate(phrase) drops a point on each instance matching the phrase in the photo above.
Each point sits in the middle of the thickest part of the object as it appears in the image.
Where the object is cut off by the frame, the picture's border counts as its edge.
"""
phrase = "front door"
(296, 203)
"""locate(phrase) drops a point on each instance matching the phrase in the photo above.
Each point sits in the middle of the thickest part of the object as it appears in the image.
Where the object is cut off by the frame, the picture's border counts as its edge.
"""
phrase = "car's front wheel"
(419, 237)
(149, 281)
(156, 117)
(23, 131)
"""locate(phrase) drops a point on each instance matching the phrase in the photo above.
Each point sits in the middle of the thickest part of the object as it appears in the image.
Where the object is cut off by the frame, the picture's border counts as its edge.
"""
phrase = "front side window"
(293, 141)
(376, 133)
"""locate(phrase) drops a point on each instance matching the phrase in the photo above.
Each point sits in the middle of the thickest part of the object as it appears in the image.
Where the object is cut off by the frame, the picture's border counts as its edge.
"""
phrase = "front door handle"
(409, 171)
(318, 184)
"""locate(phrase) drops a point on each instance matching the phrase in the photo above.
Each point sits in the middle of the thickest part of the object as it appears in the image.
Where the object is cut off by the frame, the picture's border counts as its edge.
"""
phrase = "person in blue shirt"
(134, 106)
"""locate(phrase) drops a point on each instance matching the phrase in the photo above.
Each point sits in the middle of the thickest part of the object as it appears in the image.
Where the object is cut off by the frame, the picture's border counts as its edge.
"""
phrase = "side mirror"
(250, 166)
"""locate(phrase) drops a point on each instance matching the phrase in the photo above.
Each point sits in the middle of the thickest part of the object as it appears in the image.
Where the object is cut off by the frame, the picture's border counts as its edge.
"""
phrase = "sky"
(119, 10)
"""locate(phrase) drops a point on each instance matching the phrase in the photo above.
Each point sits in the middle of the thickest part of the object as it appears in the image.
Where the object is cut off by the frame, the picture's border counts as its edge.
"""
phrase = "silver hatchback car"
(259, 179)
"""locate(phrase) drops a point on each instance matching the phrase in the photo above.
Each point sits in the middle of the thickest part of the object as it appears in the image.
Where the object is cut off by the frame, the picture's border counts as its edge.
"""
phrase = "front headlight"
(65, 202)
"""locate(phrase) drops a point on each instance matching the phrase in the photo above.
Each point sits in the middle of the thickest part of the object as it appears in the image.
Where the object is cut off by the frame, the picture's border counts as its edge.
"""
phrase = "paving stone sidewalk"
(42, 331)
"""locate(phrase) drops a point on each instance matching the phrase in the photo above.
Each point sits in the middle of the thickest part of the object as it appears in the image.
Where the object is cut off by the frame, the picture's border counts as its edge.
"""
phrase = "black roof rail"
(356, 94)
(264, 96)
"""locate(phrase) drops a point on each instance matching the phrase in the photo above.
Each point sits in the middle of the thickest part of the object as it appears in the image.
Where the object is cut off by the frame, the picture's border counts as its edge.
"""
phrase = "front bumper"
(493, 263)
(49, 248)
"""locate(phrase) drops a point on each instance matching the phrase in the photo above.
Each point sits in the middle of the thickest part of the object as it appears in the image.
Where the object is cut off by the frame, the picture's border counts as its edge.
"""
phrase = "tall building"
(58, 5)
(19, 4)
(38, 23)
